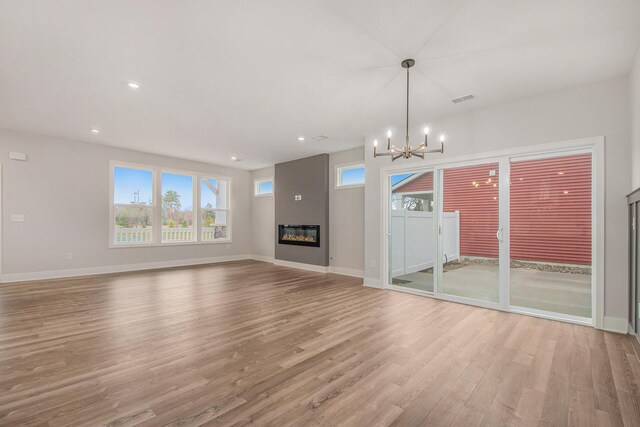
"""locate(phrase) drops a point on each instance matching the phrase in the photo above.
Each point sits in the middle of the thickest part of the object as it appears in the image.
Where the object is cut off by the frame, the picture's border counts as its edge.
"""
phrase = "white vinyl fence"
(412, 240)
(134, 235)
(145, 235)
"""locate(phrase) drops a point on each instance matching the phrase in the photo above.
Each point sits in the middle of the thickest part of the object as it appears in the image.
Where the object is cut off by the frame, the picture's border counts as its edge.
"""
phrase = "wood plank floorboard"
(252, 343)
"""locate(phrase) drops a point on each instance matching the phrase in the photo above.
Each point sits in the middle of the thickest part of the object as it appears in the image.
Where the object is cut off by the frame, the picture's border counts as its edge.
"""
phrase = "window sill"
(348, 187)
(263, 195)
(168, 244)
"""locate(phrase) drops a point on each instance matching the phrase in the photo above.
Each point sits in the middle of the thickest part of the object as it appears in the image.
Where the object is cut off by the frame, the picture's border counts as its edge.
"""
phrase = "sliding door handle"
(500, 235)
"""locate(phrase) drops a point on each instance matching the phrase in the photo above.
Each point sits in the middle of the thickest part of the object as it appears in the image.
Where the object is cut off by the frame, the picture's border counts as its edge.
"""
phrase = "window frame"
(112, 204)
(156, 173)
(347, 166)
(227, 209)
(256, 184)
(196, 202)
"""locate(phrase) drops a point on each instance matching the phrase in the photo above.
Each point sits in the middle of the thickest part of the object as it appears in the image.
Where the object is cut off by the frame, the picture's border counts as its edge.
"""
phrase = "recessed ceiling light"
(96, 131)
(133, 85)
(301, 138)
(236, 159)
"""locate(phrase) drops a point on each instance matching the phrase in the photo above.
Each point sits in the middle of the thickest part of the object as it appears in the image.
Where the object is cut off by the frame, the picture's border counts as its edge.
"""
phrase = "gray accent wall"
(310, 178)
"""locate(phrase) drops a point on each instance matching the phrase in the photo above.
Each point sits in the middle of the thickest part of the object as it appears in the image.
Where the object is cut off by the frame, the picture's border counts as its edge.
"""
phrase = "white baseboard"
(91, 271)
(302, 266)
(263, 258)
(352, 272)
(615, 324)
(347, 272)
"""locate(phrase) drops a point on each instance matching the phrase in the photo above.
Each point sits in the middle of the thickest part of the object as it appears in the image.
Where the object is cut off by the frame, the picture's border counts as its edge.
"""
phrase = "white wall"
(599, 109)
(635, 121)
(63, 191)
(346, 218)
(263, 223)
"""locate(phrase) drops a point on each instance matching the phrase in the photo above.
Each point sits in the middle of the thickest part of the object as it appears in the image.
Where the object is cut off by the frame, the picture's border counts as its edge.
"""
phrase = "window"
(132, 206)
(214, 209)
(350, 175)
(152, 206)
(177, 208)
(263, 187)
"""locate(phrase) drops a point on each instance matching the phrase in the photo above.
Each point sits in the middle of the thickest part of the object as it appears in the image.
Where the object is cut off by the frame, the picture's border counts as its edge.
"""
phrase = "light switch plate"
(17, 218)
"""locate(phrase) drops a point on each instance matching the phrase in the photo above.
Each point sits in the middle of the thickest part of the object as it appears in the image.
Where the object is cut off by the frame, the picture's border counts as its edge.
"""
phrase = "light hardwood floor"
(243, 342)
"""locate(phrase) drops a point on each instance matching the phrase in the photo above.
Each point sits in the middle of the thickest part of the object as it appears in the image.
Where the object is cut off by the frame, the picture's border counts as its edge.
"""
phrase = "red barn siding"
(473, 192)
(422, 183)
(547, 225)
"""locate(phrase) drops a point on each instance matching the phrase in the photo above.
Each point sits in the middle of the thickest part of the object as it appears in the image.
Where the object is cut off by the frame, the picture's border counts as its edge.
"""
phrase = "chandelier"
(407, 151)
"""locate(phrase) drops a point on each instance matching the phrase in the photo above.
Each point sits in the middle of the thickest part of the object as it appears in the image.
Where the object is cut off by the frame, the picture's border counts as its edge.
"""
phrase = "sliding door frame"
(501, 304)
(549, 314)
(387, 261)
(594, 145)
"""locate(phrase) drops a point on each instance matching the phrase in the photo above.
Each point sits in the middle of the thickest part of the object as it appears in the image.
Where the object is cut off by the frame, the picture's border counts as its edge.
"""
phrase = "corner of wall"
(634, 80)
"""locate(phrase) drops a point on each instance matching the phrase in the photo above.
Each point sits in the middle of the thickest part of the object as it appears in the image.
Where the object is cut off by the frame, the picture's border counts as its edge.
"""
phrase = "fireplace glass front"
(301, 235)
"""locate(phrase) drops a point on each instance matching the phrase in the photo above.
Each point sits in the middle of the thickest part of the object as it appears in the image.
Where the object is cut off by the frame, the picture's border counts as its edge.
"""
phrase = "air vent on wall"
(320, 137)
(463, 99)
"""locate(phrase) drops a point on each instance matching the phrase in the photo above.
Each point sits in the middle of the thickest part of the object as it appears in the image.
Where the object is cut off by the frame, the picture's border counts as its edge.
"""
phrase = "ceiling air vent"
(320, 137)
(463, 99)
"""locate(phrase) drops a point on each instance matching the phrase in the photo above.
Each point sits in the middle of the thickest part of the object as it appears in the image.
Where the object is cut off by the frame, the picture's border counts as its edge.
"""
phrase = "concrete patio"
(566, 293)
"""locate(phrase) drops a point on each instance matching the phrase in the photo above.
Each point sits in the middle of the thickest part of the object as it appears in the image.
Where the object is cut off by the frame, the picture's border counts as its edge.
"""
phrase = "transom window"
(152, 206)
(351, 175)
(263, 187)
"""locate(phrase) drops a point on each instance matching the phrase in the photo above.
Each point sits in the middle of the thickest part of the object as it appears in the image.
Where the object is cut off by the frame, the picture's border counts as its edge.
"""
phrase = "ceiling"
(246, 78)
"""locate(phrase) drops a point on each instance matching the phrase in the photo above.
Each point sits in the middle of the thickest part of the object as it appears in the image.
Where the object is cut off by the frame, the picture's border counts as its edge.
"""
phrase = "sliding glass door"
(411, 231)
(550, 234)
(470, 232)
(513, 233)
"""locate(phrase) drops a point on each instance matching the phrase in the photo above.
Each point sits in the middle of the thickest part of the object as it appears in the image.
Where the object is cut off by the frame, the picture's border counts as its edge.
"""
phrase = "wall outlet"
(372, 263)
(17, 217)
(69, 256)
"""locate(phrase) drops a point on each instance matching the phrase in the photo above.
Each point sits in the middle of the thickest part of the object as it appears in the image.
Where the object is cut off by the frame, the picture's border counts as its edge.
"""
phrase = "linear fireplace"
(301, 235)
